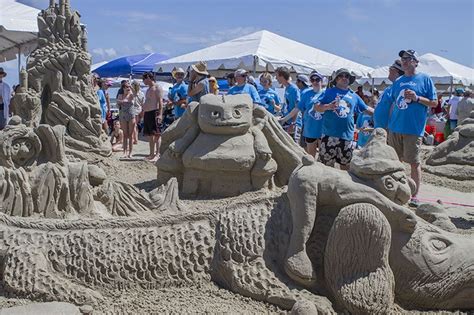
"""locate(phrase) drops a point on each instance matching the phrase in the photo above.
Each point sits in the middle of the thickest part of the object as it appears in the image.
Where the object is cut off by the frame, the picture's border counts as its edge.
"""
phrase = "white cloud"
(207, 38)
(105, 52)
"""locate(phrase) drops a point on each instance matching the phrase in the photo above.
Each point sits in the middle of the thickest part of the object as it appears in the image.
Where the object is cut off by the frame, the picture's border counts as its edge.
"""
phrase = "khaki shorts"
(408, 147)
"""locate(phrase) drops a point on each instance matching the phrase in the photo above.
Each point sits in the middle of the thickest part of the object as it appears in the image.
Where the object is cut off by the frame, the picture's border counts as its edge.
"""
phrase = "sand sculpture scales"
(56, 85)
(366, 252)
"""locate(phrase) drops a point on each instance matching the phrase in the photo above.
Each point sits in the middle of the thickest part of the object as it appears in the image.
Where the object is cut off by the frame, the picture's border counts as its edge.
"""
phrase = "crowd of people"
(325, 117)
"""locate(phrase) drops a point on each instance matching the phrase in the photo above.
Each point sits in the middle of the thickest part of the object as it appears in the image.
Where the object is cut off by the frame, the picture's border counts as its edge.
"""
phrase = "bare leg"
(416, 176)
(158, 144)
(125, 128)
(303, 200)
(151, 143)
(131, 128)
(312, 148)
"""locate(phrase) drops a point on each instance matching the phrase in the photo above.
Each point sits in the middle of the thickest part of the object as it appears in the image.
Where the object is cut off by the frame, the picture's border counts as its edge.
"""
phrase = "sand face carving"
(226, 137)
(56, 86)
(37, 178)
(454, 158)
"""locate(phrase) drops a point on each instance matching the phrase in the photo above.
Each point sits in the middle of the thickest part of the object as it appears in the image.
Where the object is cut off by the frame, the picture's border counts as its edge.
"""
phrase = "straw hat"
(176, 71)
(2, 73)
(200, 67)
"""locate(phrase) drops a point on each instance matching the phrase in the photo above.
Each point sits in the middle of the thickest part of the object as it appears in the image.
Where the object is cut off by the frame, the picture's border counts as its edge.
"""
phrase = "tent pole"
(451, 89)
(373, 83)
(255, 66)
(19, 59)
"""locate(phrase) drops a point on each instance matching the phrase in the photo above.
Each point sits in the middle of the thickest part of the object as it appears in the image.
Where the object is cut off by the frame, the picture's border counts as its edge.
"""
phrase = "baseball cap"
(240, 72)
(316, 74)
(409, 52)
(304, 78)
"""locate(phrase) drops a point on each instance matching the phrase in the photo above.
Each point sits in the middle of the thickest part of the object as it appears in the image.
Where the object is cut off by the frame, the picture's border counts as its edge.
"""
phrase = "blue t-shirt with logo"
(382, 110)
(245, 89)
(364, 121)
(410, 118)
(266, 97)
(292, 98)
(312, 120)
(179, 91)
(339, 123)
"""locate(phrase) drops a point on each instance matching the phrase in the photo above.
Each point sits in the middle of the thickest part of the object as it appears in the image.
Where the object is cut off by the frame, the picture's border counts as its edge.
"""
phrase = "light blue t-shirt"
(339, 123)
(245, 89)
(178, 92)
(410, 118)
(364, 121)
(266, 97)
(102, 103)
(312, 120)
(292, 98)
(382, 110)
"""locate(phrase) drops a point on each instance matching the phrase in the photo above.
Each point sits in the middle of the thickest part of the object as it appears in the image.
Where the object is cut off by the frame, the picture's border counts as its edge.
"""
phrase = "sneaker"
(414, 202)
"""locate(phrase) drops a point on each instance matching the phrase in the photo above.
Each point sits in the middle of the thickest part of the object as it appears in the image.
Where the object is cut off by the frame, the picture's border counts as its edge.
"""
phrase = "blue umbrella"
(130, 65)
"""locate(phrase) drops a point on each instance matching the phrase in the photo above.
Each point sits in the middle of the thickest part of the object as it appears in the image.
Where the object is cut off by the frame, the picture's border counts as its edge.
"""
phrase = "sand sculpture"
(226, 137)
(56, 86)
(392, 258)
(37, 178)
(332, 241)
(454, 157)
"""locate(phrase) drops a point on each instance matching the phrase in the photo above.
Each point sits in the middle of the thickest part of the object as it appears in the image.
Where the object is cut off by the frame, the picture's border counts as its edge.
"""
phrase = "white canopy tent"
(18, 30)
(441, 70)
(263, 51)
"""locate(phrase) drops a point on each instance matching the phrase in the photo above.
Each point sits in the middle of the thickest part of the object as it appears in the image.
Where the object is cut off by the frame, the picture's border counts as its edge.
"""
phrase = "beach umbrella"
(129, 66)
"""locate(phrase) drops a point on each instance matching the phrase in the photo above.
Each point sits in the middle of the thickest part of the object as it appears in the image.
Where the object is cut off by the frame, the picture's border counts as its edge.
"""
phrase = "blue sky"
(370, 32)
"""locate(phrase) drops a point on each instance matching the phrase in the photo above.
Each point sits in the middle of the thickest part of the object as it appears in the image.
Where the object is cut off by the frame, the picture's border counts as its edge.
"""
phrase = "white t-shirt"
(454, 105)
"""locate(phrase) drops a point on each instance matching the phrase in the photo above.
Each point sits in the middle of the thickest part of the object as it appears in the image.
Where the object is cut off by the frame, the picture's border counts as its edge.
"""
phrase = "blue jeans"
(453, 123)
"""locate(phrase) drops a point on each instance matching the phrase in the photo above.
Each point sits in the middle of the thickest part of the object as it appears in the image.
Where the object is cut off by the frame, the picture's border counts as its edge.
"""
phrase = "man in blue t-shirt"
(339, 104)
(383, 109)
(242, 87)
(179, 93)
(269, 98)
(312, 120)
(413, 94)
(292, 98)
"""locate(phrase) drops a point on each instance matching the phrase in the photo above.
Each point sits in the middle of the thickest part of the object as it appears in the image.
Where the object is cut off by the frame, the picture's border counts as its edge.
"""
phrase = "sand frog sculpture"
(37, 178)
(224, 146)
(56, 87)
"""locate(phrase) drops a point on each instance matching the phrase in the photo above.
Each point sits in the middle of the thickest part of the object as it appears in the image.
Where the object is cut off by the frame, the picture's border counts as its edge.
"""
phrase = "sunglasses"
(315, 80)
(407, 58)
(344, 75)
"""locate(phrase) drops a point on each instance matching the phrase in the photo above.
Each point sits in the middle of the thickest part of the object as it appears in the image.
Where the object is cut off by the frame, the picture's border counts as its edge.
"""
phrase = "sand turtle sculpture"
(56, 86)
(454, 158)
(226, 137)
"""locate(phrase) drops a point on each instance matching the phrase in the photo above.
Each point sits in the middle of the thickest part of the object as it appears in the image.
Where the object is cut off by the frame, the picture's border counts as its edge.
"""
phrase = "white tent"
(261, 51)
(18, 29)
(441, 70)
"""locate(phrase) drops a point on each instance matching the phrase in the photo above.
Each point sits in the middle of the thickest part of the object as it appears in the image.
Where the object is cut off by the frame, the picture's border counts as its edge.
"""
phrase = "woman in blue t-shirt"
(339, 104)
(268, 97)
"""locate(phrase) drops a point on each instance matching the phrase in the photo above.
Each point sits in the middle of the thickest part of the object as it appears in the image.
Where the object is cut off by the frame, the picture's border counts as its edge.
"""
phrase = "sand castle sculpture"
(293, 232)
(37, 178)
(454, 157)
(56, 86)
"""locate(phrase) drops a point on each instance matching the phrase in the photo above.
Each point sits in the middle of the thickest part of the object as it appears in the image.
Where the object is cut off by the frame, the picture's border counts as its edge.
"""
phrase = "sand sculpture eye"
(439, 244)
(215, 114)
(237, 113)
